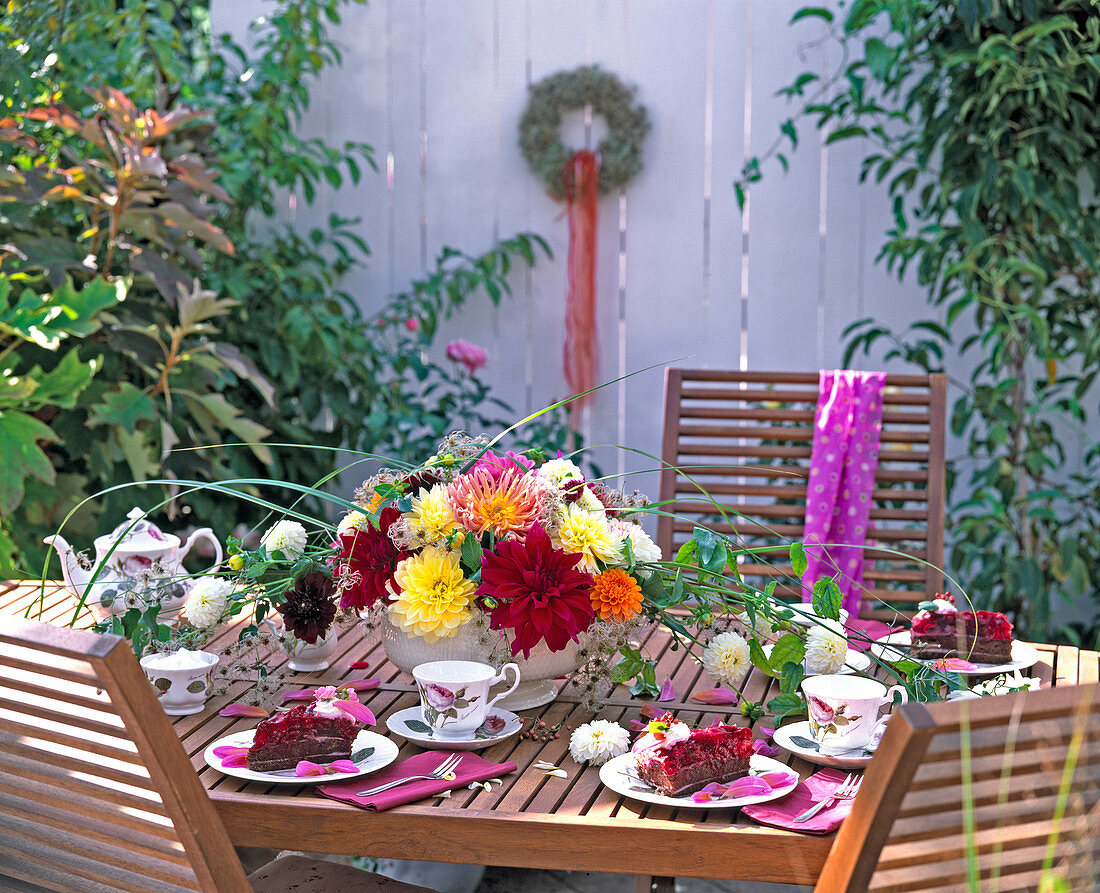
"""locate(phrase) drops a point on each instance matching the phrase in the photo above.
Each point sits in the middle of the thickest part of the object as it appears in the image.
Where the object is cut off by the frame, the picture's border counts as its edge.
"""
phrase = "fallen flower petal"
(361, 684)
(778, 779)
(359, 665)
(747, 787)
(357, 710)
(559, 773)
(444, 794)
(305, 694)
(305, 769)
(341, 766)
(483, 785)
(542, 764)
(636, 726)
(649, 711)
(764, 749)
(767, 733)
(228, 750)
(242, 710)
(668, 693)
(717, 696)
(954, 665)
(237, 761)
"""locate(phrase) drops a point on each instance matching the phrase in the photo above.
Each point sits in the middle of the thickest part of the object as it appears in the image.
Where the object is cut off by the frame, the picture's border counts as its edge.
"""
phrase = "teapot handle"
(204, 532)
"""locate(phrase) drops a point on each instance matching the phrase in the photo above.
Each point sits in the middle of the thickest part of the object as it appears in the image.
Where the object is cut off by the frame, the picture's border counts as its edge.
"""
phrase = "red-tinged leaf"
(668, 693)
(357, 710)
(242, 710)
(305, 769)
(361, 684)
(717, 696)
(341, 766)
(305, 694)
(359, 665)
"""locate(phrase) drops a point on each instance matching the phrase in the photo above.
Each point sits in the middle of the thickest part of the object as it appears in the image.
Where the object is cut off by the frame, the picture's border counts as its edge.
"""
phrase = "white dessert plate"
(384, 753)
(409, 724)
(797, 738)
(618, 774)
(1023, 656)
(855, 662)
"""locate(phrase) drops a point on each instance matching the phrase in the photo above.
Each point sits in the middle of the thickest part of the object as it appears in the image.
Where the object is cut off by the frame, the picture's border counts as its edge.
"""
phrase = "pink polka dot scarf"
(847, 430)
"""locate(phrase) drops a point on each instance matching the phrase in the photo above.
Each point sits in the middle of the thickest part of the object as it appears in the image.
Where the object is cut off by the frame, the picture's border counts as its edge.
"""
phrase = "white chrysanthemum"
(761, 629)
(726, 658)
(645, 550)
(590, 535)
(207, 601)
(559, 471)
(288, 537)
(353, 521)
(598, 741)
(826, 650)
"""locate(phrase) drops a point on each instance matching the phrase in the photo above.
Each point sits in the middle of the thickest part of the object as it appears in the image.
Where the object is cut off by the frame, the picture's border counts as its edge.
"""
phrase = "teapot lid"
(138, 534)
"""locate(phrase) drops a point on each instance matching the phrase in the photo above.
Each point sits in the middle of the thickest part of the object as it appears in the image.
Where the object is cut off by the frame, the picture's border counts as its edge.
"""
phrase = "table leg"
(646, 884)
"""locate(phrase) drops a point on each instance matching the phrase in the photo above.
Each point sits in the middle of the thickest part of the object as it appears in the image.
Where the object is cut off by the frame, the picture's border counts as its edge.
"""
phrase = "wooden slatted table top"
(532, 820)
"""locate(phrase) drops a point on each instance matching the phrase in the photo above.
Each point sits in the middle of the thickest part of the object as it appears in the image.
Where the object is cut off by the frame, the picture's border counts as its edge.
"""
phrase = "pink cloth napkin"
(872, 629)
(471, 768)
(847, 432)
(781, 813)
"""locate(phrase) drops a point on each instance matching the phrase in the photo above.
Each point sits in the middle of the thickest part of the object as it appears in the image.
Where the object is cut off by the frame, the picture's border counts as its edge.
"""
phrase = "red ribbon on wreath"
(580, 177)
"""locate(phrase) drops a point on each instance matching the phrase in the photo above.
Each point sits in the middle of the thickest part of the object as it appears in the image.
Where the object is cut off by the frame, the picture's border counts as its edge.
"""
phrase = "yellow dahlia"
(616, 595)
(505, 504)
(430, 515)
(591, 535)
(434, 597)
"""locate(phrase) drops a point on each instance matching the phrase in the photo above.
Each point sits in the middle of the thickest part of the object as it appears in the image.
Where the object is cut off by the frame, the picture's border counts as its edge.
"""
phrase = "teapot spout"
(75, 576)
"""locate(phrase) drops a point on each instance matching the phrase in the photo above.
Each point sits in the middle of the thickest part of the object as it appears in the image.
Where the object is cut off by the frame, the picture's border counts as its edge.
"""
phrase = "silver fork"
(444, 770)
(845, 791)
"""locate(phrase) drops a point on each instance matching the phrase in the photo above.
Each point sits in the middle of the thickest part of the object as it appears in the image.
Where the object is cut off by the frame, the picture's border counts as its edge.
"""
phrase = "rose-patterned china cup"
(843, 709)
(454, 694)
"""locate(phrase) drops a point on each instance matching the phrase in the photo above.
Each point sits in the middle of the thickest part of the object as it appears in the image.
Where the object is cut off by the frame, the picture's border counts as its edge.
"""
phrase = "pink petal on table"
(767, 733)
(305, 769)
(359, 665)
(764, 749)
(954, 665)
(668, 693)
(304, 694)
(242, 710)
(342, 766)
(361, 684)
(778, 779)
(717, 696)
(649, 711)
(228, 750)
(360, 712)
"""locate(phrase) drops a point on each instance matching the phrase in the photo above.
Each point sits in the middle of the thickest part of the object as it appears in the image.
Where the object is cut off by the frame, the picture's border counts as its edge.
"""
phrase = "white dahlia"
(726, 658)
(288, 537)
(826, 650)
(645, 550)
(598, 741)
(207, 601)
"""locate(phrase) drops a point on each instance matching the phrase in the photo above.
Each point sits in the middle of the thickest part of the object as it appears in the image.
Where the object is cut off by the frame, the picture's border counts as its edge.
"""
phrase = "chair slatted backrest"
(745, 438)
(96, 791)
(1031, 764)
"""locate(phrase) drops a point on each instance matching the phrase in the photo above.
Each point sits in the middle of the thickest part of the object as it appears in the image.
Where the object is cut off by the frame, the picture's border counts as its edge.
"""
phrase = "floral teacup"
(843, 709)
(454, 694)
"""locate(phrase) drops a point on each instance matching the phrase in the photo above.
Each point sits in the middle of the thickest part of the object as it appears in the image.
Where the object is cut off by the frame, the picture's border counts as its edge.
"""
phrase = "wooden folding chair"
(985, 794)
(745, 439)
(96, 792)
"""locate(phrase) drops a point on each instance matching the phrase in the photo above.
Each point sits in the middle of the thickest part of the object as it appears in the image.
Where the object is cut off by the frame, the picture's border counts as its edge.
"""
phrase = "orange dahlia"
(505, 504)
(616, 595)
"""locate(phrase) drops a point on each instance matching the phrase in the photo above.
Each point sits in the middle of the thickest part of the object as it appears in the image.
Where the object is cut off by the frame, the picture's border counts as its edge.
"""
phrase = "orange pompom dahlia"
(616, 595)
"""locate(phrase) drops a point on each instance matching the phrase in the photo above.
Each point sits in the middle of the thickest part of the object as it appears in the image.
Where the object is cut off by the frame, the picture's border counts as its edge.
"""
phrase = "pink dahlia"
(505, 504)
(499, 465)
(366, 561)
(540, 593)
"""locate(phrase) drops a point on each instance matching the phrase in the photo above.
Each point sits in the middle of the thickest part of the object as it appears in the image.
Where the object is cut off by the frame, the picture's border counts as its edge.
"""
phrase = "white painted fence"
(438, 87)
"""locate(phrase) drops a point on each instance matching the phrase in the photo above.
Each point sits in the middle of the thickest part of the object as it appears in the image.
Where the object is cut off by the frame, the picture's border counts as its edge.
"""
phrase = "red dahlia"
(540, 594)
(366, 561)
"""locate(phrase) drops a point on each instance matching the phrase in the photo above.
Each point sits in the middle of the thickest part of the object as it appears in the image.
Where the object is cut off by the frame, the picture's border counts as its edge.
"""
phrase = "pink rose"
(469, 355)
(493, 723)
(820, 711)
(438, 697)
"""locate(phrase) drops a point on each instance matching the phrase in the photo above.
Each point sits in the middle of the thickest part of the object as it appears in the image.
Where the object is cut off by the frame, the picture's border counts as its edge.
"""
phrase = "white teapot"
(146, 561)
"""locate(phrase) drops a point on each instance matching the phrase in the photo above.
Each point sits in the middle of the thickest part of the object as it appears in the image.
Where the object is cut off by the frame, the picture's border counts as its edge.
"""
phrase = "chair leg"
(646, 884)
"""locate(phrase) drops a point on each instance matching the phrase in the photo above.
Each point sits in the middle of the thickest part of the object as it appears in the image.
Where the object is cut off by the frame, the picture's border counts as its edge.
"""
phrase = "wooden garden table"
(532, 820)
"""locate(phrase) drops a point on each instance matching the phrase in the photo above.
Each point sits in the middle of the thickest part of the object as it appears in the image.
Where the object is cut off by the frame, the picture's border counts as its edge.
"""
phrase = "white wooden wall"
(438, 87)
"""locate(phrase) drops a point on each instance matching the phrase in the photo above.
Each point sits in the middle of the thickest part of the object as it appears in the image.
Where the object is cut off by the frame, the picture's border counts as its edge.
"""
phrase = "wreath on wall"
(578, 177)
(620, 152)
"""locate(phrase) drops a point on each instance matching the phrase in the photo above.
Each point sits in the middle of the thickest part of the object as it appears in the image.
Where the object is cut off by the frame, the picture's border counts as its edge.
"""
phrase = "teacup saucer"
(410, 724)
(798, 739)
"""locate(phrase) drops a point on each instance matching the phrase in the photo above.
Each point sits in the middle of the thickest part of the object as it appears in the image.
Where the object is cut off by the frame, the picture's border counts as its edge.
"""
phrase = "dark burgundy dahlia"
(310, 606)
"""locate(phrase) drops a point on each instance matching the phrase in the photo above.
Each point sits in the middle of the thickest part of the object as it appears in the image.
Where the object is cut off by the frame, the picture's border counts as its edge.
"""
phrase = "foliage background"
(286, 356)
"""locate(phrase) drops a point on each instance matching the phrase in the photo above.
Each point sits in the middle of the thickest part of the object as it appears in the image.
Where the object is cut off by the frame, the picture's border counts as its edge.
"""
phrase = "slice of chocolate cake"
(939, 630)
(305, 732)
(677, 761)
